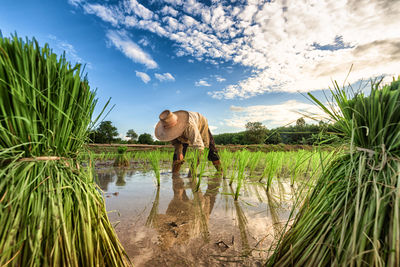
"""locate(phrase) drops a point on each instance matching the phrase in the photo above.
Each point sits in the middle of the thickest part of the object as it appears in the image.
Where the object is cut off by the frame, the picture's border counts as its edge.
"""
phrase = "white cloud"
(174, 2)
(164, 77)
(130, 49)
(133, 6)
(220, 79)
(75, 2)
(144, 42)
(292, 45)
(202, 83)
(212, 128)
(123, 137)
(142, 75)
(108, 14)
(274, 115)
(167, 10)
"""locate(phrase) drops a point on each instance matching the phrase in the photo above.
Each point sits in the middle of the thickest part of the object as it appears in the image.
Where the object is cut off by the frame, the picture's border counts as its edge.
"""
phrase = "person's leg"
(185, 146)
(213, 153)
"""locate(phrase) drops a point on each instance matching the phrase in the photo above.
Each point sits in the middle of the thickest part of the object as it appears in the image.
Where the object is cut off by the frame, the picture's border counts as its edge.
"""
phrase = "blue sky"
(233, 61)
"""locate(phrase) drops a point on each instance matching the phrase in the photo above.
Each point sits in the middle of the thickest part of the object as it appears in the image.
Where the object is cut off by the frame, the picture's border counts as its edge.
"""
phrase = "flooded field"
(175, 224)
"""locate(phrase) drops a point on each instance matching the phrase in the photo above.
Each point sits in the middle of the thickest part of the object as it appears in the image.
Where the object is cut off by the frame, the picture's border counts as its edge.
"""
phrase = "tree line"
(301, 133)
(107, 133)
(255, 133)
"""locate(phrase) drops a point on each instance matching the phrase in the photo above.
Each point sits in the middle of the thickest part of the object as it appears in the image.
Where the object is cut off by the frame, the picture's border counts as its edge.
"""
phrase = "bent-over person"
(184, 128)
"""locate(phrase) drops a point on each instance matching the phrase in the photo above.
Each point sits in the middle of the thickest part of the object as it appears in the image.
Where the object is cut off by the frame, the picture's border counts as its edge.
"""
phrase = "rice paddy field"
(64, 205)
(228, 219)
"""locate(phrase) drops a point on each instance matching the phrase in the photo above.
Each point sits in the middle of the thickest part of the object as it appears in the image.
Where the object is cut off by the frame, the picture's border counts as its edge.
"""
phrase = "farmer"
(183, 128)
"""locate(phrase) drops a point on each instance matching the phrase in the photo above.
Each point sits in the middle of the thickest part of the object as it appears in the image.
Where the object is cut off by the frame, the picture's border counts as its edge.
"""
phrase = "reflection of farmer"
(186, 218)
(183, 128)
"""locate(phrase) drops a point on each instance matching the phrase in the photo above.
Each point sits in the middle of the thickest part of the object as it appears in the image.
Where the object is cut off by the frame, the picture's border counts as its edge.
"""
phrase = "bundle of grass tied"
(352, 218)
(51, 213)
(122, 159)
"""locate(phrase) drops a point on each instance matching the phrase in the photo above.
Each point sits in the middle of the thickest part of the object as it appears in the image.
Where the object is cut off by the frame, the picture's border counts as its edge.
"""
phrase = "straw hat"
(171, 124)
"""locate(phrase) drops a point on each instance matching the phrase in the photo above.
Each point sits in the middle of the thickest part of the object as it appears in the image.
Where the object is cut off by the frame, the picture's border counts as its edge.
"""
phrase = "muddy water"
(175, 225)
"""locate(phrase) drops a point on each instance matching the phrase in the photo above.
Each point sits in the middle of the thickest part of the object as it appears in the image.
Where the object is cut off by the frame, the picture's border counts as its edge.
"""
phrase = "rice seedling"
(352, 216)
(234, 168)
(254, 161)
(242, 161)
(226, 158)
(202, 162)
(273, 166)
(121, 160)
(51, 212)
(166, 155)
(130, 155)
(193, 158)
(300, 164)
(154, 159)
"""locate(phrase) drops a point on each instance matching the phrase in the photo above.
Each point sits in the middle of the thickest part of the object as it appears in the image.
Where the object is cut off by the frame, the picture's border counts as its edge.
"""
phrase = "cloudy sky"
(233, 61)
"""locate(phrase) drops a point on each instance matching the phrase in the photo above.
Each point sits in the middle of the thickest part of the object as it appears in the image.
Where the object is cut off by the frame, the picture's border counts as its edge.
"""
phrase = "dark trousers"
(212, 152)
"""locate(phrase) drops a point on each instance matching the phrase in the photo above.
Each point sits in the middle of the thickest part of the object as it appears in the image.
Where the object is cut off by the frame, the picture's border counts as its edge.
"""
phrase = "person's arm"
(178, 156)
(178, 153)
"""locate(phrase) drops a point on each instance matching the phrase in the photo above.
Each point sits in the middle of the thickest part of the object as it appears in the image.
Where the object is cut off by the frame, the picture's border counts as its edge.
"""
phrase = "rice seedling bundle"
(352, 217)
(121, 160)
(51, 213)
(193, 158)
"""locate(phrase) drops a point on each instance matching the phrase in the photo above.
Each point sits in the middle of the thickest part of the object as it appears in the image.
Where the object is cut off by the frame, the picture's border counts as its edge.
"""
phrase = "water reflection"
(104, 179)
(273, 205)
(185, 218)
(188, 227)
(121, 173)
(152, 219)
(242, 222)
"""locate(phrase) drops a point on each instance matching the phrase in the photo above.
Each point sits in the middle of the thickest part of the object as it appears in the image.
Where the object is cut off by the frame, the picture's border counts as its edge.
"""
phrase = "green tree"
(132, 135)
(145, 138)
(300, 122)
(106, 132)
(229, 138)
(273, 137)
(255, 133)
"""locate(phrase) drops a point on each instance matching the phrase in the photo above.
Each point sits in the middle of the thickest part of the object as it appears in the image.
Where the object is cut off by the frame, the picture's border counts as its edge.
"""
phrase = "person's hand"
(180, 157)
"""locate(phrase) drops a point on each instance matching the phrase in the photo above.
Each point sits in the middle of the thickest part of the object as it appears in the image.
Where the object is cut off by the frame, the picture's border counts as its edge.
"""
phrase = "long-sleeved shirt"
(195, 133)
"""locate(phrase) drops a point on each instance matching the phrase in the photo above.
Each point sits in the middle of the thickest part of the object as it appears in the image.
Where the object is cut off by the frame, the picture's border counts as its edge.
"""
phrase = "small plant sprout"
(154, 159)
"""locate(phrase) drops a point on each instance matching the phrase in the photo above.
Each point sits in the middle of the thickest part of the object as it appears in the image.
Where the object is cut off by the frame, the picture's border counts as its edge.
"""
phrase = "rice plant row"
(238, 166)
